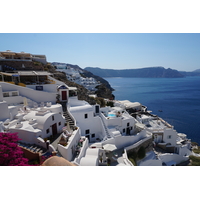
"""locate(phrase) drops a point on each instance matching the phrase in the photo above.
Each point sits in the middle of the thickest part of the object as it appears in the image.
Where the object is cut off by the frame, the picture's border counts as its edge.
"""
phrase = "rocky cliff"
(149, 72)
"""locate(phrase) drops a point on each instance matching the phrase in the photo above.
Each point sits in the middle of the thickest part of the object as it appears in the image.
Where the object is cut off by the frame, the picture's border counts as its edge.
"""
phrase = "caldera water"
(176, 100)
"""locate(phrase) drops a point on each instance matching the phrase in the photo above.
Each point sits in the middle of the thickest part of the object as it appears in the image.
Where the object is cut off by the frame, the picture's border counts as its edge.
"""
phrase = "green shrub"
(110, 103)
(133, 161)
(195, 160)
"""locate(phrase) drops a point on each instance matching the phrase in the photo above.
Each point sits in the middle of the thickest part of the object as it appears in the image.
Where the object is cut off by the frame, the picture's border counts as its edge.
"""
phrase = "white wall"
(66, 151)
(35, 95)
(49, 122)
(4, 112)
(173, 157)
(14, 99)
(128, 141)
(25, 135)
(93, 123)
(172, 133)
(46, 87)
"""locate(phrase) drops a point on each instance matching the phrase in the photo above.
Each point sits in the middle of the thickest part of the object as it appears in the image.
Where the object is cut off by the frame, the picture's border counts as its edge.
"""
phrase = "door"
(64, 95)
(54, 129)
(97, 109)
(128, 131)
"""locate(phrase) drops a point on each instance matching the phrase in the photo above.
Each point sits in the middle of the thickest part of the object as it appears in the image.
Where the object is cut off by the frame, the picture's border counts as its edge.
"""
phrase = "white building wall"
(35, 95)
(46, 87)
(68, 151)
(170, 136)
(26, 135)
(127, 141)
(173, 157)
(4, 112)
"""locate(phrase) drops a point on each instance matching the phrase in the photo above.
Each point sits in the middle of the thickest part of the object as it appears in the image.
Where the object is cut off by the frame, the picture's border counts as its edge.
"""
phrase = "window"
(6, 94)
(86, 116)
(169, 136)
(131, 128)
(14, 94)
(124, 130)
(53, 118)
(128, 124)
(93, 135)
(59, 123)
(47, 131)
(87, 131)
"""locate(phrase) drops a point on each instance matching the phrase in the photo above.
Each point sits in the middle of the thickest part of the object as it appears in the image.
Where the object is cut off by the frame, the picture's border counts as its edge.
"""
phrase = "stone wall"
(148, 145)
(31, 155)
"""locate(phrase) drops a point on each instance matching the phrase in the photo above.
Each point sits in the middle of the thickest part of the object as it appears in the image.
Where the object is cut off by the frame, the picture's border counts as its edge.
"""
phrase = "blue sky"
(111, 50)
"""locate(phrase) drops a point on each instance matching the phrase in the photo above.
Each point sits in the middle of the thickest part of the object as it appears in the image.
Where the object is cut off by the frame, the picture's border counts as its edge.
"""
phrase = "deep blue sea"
(178, 98)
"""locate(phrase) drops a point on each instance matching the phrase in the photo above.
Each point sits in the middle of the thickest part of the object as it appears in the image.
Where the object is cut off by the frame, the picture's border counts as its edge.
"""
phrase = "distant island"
(149, 72)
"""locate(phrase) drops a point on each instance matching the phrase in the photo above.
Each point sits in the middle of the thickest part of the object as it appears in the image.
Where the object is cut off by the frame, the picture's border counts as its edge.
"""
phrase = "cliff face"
(150, 72)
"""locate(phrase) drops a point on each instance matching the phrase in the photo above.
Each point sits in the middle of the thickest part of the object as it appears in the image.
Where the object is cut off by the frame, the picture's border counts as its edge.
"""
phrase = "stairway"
(68, 118)
(32, 147)
(105, 127)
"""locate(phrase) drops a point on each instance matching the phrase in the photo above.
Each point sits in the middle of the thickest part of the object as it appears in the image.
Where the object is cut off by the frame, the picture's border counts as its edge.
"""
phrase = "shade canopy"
(109, 147)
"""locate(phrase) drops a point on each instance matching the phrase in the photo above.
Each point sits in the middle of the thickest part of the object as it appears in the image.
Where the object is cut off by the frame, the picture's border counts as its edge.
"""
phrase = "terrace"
(24, 78)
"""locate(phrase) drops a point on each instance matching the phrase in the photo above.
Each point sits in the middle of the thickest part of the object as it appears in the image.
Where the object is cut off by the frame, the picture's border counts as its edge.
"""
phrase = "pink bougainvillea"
(10, 153)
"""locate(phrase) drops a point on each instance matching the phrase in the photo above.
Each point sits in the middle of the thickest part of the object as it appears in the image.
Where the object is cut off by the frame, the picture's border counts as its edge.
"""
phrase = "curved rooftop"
(57, 161)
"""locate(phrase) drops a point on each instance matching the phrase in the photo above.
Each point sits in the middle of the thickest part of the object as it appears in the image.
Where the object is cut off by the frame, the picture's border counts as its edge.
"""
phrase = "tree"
(10, 153)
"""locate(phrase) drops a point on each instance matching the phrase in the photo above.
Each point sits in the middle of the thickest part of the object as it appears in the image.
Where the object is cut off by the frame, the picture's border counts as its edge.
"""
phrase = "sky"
(108, 34)
(180, 51)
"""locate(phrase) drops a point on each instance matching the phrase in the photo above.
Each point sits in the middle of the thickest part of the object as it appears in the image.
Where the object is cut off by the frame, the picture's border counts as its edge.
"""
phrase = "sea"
(176, 100)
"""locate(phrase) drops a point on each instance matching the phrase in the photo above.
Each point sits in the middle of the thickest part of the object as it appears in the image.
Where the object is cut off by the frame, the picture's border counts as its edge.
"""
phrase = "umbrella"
(109, 147)
(25, 101)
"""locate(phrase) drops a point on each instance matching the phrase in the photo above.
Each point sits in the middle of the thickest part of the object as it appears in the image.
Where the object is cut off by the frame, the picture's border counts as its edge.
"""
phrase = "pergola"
(25, 75)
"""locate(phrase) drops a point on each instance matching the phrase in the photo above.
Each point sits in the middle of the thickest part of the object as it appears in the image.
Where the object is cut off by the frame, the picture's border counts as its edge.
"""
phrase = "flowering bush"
(10, 153)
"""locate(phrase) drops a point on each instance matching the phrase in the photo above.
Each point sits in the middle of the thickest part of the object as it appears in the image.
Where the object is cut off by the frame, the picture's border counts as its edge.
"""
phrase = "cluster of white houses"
(36, 105)
(74, 75)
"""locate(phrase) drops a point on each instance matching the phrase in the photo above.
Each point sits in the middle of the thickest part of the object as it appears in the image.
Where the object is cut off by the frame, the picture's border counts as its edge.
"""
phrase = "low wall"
(31, 155)
(30, 93)
(173, 157)
(146, 143)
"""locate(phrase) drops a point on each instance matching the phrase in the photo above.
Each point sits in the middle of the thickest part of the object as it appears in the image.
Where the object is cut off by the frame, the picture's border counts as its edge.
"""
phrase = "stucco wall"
(173, 157)
(66, 151)
(4, 112)
(35, 95)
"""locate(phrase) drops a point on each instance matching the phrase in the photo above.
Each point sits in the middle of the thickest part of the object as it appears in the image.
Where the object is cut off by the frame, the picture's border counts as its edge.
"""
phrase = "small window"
(14, 94)
(87, 131)
(93, 135)
(59, 123)
(169, 137)
(131, 128)
(47, 131)
(124, 130)
(53, 118)
(128, 124)
(6, 94)
(86, 116)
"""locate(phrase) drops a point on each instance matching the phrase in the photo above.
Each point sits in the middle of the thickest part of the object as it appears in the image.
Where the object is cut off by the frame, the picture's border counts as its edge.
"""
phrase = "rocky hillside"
(86, 73)
(149, 72)
(193, 73)
(83, 93)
